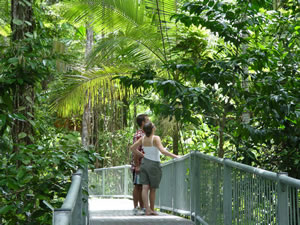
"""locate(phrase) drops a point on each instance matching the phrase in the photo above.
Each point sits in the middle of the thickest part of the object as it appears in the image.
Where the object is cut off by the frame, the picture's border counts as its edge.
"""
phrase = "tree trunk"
(135, 115)
(22, 130)
(23, 95)
(86, 126)
(175, 137)
(89, 40)
(21, 12)
(276, 4)
(96, 133)
(85, 129)
(87, 117)
(125, 109)
(91, 125)
(222, 122)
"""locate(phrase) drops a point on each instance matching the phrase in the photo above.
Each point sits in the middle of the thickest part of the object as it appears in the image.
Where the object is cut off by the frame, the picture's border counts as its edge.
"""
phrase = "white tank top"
(151, 152)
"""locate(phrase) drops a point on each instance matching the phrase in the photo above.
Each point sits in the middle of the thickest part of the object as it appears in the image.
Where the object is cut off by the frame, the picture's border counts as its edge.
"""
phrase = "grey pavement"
(119, 212)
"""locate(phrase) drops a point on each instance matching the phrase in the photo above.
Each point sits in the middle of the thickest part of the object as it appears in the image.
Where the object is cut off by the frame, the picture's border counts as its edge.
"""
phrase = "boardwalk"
(119, 212)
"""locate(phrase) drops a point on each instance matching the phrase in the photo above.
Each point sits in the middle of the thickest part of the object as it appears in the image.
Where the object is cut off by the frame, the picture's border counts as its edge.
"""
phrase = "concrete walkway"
(119, 212)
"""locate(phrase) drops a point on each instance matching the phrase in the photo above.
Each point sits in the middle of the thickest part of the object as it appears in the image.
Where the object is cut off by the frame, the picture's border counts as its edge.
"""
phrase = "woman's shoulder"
(156, 138)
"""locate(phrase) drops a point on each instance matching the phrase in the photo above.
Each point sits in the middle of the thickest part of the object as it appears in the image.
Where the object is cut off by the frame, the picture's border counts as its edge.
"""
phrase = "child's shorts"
(136, 177)
(150, 173)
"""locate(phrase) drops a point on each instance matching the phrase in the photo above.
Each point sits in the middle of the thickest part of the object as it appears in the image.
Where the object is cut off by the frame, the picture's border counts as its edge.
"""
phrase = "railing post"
(61, 216)
(159, 198)
(196, 186)
(125, 181)
(103, 182)
(192, 184)
(227, 194)
(77, 216)
(282, 209)
(85, 203)
(174, 185)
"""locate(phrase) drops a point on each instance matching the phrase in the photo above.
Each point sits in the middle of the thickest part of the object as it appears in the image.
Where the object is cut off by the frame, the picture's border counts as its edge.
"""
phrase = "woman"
(150, 171)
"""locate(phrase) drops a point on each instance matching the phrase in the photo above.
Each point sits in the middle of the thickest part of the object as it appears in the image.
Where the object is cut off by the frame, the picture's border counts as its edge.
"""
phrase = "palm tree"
(137, 34)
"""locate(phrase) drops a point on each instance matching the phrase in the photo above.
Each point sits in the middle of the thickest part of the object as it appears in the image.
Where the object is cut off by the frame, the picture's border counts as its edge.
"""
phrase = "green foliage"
(177, 98)
(227, 59)
(118, 53)
(128, 47)
(4, 18)
(114, 147)
(272, 61)
(32, 57)
(111, 16)
(38, 172)
(253, 67)
(67, 94)
(131, 35)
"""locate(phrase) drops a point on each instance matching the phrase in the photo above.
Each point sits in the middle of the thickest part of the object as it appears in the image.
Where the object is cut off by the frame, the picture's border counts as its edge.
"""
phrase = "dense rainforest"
(216, 76)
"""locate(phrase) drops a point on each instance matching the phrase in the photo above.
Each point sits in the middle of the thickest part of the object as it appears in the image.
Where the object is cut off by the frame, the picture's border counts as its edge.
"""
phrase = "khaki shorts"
(150, 173)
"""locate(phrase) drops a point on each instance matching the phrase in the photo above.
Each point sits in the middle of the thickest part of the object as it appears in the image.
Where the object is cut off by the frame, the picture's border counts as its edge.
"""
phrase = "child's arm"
(136, 160)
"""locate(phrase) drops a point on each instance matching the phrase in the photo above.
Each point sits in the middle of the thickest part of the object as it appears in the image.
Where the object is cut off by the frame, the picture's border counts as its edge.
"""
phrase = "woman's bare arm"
(162, 149)
(134, 147)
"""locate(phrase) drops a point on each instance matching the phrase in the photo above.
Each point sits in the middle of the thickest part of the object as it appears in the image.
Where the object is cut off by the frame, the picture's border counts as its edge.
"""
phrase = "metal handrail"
(213, 191)
(73, 210)
(112, 182)
(112, 168)
(241, 192)
(261, 172)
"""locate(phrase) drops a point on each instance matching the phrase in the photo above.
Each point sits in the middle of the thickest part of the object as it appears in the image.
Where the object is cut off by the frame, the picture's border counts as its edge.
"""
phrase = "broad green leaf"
(19, 116)
(27, 179)
(27, 3)
(17, 21)
(31, 137)
(32, 122)
(21, 108)
(21, 173)
(2, 120)
(22, 135)
(13, 60)
(11, 183)
(30, 35)
(29, 99)
(28, 23)
(5, 209)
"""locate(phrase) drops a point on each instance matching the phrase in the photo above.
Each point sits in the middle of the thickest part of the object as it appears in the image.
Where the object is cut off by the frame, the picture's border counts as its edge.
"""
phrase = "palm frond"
(4, 17)
(107, 15)
(5, 10)
(132, 46)
(4, 29)
(138, 32)
(96, 84)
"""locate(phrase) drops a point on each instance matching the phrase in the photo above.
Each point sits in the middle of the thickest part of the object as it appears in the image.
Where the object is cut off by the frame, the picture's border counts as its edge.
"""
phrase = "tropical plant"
(137, 33)
(43, 173)
(4, 18)
(36, 159)
(248, 71)
(136, 38)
